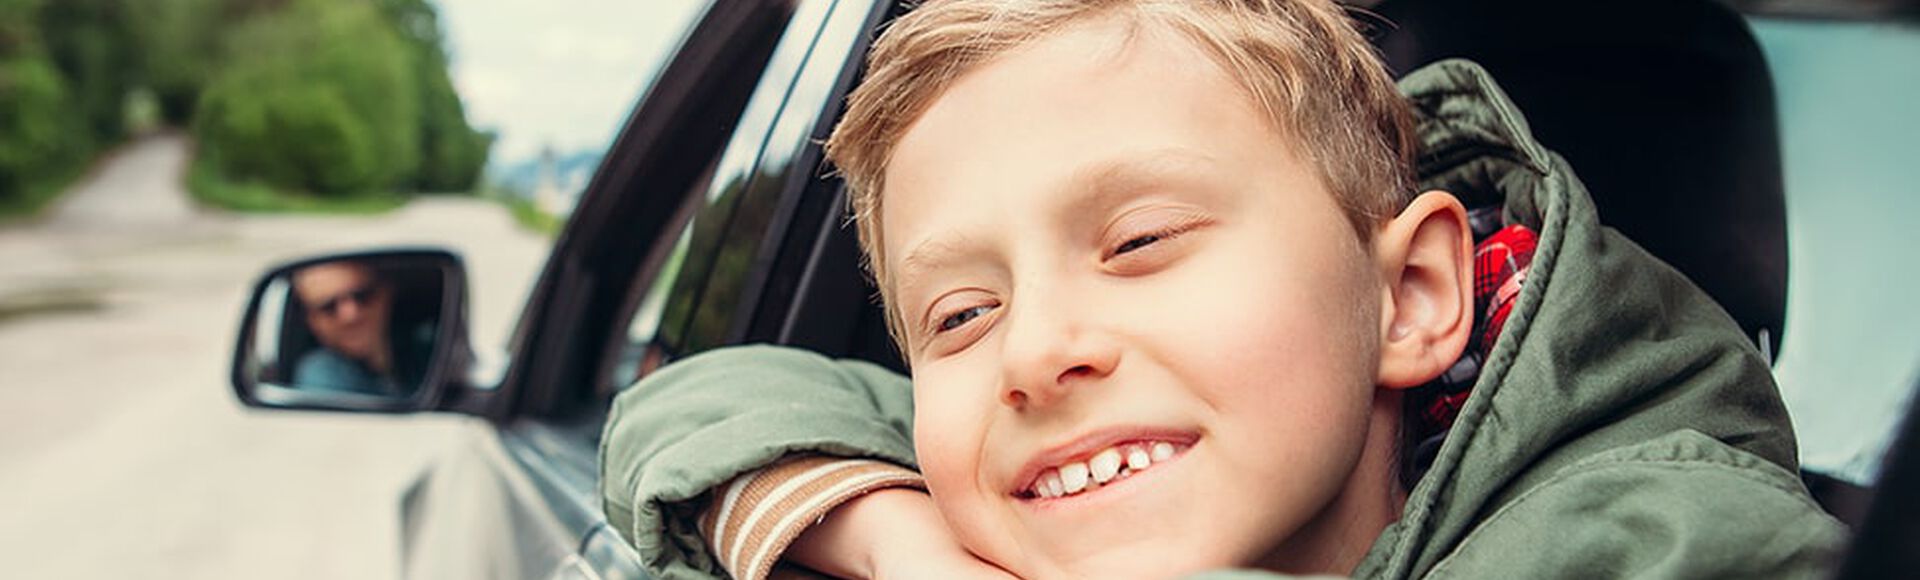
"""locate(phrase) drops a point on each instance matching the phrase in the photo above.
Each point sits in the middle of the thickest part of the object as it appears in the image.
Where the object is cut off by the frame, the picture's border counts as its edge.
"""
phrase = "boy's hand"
(890, 533)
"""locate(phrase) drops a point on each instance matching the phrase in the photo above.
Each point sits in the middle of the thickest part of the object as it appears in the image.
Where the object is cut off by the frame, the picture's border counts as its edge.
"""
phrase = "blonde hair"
(1302, 62)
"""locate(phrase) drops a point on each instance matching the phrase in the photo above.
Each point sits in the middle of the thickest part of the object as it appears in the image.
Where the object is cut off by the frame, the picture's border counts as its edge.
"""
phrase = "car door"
(670, 240)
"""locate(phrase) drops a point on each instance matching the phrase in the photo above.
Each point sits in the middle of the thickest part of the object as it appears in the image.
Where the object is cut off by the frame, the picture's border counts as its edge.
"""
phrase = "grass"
(529, 215)
(212, 189)
(38, 194)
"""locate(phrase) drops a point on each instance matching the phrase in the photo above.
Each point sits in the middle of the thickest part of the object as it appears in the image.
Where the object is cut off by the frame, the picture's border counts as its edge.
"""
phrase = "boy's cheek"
(947, 430)
(948, 462)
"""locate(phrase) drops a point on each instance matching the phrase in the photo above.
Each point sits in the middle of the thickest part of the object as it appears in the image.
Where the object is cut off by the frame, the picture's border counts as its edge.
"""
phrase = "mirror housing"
(382, 331)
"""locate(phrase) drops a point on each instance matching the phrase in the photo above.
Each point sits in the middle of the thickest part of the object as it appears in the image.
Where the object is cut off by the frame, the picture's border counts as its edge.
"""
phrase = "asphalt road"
(123, 453)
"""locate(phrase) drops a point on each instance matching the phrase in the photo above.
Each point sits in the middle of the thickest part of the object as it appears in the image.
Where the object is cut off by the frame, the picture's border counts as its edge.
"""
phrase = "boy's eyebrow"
(1099, 187)
(1103, 184)
(930, 254)
(1092, 189)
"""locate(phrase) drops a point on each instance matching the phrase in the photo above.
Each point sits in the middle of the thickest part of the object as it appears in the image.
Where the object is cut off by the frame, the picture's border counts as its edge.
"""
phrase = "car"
(712, 221)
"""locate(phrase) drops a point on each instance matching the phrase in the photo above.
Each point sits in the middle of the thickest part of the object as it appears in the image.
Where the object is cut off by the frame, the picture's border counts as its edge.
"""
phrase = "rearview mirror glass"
(354, 332)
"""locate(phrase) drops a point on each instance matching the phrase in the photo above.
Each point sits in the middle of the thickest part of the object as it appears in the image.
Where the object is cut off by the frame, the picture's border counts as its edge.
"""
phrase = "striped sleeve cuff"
(758, 514)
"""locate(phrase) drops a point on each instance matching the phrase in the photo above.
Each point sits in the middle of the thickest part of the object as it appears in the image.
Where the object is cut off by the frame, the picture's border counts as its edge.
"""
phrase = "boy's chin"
(1126, 562)
(1148, 554)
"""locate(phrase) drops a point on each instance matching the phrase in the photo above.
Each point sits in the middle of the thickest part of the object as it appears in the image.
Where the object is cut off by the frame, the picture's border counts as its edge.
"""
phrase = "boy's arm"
(719, 418)
(890, 533)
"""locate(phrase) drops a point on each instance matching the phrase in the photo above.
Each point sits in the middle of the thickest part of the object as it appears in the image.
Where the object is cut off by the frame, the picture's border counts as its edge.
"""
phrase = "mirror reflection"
(355, 325)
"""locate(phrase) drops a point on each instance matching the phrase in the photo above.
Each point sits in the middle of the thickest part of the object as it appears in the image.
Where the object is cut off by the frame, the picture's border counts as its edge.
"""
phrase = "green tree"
(332, 97)
(452, 151)
(178, 49)
(317, 97)
(340, 97)
(42, 136)
(87, 41)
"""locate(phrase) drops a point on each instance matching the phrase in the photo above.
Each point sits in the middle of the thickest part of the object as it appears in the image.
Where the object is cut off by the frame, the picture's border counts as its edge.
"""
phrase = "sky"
(558, 72)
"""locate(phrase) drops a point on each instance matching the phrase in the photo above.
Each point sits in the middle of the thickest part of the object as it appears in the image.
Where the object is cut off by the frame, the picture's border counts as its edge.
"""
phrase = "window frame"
(773, 210)
(658, 155)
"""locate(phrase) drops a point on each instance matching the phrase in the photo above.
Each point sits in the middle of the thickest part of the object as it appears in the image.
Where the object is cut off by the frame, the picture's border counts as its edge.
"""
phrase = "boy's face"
(1099, 243)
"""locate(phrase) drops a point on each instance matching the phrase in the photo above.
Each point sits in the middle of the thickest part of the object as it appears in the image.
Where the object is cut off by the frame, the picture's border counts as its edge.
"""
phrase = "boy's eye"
(1137, 243)
(1147, 240)
(962, 317)
(1148, 228)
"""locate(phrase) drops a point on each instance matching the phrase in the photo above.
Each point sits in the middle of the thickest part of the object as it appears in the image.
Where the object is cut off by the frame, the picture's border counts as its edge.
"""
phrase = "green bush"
(321, 100)
(87, 41)
(211, 187)
(19, 26)
(340, 98)
(178, 49)
(42, 138)
(319, 97)
(294, 135)
(452, 152)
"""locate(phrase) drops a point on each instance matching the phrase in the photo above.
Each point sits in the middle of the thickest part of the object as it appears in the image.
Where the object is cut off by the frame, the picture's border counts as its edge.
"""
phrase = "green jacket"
(1622, 425)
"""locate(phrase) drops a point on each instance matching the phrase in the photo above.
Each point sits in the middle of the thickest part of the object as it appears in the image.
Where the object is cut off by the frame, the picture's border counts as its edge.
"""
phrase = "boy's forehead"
(1092, 50)
(1090, 111)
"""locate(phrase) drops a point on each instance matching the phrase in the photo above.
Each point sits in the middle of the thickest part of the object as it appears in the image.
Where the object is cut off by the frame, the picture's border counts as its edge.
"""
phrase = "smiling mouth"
(1101, 469)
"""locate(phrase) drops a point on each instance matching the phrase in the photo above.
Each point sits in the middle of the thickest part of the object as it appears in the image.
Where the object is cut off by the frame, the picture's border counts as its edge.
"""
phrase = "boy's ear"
(1425, 257)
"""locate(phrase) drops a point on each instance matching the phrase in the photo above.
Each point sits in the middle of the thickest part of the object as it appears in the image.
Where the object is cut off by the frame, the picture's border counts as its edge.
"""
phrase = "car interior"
(1672, 128)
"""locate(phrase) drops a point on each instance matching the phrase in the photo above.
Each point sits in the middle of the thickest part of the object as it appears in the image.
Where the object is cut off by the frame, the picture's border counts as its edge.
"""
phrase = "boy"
(1165, 285)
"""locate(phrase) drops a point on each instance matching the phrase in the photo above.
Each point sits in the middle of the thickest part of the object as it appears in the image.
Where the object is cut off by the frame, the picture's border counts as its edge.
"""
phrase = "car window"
(663, 303)
(551, 82)
(637, 351)
(1851, 353)
(760, 261)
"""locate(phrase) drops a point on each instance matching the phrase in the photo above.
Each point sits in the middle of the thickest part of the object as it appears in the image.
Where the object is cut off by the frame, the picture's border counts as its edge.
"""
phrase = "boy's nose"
(1049, 357)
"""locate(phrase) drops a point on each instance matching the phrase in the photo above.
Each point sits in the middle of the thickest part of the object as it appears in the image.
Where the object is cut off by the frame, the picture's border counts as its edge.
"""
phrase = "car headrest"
(1664, 108)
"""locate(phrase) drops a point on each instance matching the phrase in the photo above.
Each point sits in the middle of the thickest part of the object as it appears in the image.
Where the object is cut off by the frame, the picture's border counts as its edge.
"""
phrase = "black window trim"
(656, 157)
(789, 253)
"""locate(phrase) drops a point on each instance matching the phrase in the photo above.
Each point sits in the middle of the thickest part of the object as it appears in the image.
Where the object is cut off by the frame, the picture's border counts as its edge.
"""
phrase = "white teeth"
(1074, 477)
(1051, 481)
(1105, 465)
(1137, 458)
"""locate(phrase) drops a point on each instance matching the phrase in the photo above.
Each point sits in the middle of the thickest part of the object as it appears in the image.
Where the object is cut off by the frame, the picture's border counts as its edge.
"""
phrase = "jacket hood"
(1607, 346)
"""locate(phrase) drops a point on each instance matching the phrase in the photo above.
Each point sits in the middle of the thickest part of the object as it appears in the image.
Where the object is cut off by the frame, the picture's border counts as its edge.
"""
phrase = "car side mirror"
(379, 331)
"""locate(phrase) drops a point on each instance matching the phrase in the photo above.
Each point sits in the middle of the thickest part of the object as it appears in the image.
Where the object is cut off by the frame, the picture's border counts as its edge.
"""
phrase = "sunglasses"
(360, 296)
